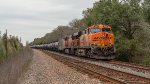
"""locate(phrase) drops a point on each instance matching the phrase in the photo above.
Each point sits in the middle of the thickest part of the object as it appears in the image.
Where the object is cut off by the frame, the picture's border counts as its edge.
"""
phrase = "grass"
(12, 67)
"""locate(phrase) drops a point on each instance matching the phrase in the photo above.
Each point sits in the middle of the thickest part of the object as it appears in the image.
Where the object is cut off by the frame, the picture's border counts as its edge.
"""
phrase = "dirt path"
(46, 70)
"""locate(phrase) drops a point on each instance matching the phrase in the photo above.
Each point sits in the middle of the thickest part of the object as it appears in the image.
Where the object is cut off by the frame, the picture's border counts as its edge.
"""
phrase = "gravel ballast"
(46, 70)
(129, 70)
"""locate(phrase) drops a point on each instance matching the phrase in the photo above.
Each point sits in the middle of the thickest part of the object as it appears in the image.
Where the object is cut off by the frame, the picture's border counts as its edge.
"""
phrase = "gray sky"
(30, 19)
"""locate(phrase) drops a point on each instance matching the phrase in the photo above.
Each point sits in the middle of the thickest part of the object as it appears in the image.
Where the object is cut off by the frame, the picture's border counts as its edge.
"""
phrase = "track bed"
(106, 71)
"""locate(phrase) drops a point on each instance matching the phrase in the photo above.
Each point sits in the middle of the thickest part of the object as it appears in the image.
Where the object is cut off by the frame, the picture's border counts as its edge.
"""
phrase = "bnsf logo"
(97, 38)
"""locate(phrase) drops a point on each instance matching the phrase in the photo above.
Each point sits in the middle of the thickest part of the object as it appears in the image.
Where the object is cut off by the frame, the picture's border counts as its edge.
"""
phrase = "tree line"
(130, 22)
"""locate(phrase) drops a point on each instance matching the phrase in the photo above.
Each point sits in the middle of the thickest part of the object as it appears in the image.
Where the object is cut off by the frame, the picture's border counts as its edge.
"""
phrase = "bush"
(9, 46)
(146, 60)
(126, 49)
(13, 67)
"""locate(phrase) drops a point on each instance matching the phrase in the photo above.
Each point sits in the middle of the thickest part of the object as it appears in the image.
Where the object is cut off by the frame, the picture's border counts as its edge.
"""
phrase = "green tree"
(146, 10)
(77, 24)
(122, 16)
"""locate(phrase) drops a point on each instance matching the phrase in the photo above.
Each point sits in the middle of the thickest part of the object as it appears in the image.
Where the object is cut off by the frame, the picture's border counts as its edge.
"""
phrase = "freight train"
(95, 42)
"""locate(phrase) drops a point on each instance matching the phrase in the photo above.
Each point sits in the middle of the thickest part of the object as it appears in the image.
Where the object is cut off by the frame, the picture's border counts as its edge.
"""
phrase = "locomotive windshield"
(95, 30)
(106, 30)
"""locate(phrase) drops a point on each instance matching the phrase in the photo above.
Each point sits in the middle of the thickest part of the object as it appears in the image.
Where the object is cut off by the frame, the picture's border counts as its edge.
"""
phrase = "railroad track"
(102, 70)
(132, 65)
(97, 75)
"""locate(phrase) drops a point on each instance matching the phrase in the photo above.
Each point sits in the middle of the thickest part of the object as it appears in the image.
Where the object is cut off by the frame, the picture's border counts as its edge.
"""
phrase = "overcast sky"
(30, 19)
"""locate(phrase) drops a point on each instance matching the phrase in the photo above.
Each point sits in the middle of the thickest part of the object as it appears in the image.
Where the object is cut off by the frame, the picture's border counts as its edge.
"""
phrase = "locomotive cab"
(101, 41)
(101, 36)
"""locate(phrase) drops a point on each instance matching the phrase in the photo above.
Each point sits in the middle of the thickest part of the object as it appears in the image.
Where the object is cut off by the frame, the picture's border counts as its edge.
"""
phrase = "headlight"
(102, 35)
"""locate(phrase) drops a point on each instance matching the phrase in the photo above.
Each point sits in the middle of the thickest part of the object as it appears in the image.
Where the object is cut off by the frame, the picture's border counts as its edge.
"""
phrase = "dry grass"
(12, 68)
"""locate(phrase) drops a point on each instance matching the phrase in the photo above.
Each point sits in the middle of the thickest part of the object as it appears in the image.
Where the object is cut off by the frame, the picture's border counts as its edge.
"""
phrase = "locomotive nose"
(106, 35)
(106, 40)
(103, 35)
